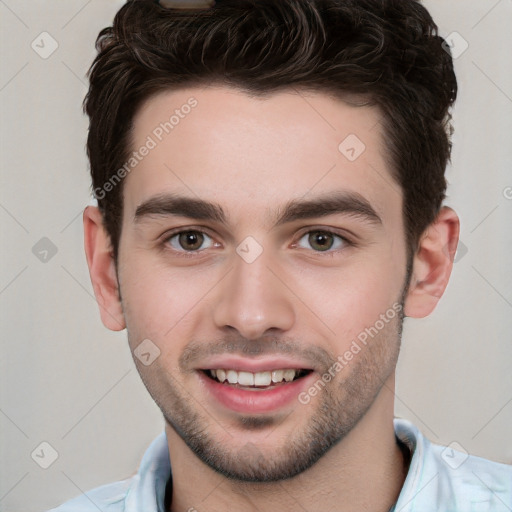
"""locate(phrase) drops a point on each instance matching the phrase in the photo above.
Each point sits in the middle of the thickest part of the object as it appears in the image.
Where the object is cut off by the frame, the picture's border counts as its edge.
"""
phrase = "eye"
(190, 241)
(321, 241)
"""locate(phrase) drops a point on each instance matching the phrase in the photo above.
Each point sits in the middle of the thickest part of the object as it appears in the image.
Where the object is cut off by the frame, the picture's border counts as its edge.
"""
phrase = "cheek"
(353, 298)
(158, 302)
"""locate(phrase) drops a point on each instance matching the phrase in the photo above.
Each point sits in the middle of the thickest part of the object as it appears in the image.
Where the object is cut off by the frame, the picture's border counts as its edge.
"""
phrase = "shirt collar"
(148, 490)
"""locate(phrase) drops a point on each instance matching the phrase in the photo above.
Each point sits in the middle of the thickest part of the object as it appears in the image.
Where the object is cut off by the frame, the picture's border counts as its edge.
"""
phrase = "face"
(266, 265)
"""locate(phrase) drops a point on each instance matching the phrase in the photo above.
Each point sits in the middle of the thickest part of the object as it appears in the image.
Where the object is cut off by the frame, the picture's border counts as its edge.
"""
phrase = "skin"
(252, 156)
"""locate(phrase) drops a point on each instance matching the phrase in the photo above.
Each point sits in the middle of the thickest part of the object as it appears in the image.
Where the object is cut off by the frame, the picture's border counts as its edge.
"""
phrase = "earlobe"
(102, 269)
(432, 264)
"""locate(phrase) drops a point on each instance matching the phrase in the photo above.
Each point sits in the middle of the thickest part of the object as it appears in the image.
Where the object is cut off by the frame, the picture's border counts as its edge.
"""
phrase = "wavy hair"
(386, 53)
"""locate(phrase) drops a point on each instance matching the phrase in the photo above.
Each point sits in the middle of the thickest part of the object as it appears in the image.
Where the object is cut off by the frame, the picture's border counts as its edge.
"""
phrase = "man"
(270, 179)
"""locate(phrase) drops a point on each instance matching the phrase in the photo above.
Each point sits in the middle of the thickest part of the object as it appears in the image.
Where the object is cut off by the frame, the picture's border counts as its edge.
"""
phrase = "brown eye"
(189, 241)
(322, 241)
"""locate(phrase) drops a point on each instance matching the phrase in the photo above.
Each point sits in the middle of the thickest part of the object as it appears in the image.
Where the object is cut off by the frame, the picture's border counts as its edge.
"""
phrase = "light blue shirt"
(440, 479)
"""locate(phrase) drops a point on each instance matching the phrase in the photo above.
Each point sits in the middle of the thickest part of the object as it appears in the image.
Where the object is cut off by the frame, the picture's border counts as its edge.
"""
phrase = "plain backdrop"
(68, 382)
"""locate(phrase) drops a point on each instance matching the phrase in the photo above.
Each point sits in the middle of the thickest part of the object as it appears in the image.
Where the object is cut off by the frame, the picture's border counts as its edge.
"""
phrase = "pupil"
(321, 241)
(191, 240)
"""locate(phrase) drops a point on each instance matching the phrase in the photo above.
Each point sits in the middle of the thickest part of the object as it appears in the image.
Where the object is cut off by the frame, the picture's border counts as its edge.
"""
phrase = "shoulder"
(472, 480)
(107, 498)
(143, 491)
(448, 478)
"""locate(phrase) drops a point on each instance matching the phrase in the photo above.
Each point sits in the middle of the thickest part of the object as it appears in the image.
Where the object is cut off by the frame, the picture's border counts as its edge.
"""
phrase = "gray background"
(67, 381)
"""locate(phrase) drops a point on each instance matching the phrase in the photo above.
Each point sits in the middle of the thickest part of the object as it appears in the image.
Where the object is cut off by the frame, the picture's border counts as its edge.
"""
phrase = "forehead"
(253, 154)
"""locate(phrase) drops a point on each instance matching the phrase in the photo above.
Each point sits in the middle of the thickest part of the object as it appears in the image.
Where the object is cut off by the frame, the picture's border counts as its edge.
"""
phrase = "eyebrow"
(171, 204)
(348, 203)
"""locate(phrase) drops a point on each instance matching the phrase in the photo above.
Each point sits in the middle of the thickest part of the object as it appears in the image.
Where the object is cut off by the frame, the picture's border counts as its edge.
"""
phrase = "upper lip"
(254, 365)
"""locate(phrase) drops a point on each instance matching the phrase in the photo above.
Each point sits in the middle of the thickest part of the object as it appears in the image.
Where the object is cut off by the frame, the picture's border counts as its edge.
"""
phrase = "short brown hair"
(385, 51)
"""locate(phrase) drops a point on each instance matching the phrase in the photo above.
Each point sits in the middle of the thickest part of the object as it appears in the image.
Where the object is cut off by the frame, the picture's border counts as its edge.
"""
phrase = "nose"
(253, 300)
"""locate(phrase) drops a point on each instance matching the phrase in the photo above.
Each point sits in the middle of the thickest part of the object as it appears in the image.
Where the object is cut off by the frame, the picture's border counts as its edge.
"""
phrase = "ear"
(432, 264)
(102, 269)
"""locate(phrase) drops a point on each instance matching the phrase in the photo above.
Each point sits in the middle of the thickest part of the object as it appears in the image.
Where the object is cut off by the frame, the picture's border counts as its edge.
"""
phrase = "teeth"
(262, 379)
(246, 379)
(277, 375)
(289, 375)
(232, 376)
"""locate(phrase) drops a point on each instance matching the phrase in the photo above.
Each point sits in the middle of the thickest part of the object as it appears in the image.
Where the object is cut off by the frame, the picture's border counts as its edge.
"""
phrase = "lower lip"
(257, 401)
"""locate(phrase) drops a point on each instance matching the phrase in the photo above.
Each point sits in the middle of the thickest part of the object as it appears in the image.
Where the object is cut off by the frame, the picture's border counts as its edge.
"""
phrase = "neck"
(364, 471)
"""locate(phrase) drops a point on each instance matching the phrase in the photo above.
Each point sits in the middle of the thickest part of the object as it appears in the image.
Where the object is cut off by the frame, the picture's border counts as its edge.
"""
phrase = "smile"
(257, 379)
(255, 392)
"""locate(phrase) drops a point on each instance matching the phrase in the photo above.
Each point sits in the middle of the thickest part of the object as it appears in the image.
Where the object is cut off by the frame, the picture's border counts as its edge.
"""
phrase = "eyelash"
(194, 254)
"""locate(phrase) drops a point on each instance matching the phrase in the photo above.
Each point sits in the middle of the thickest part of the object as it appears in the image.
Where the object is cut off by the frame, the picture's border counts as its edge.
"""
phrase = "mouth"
(245, 392)
(256, 380)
